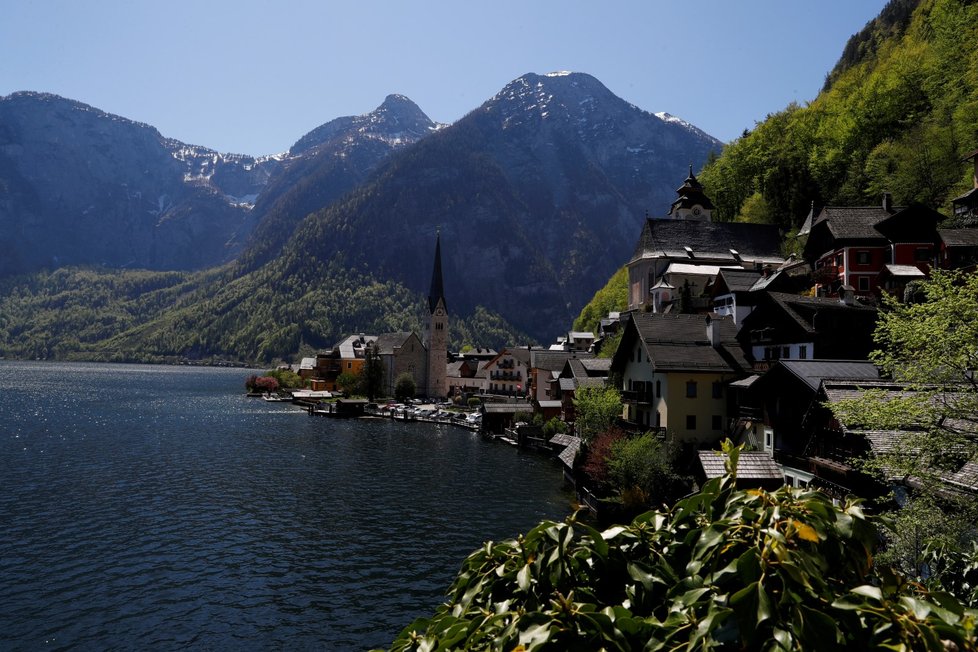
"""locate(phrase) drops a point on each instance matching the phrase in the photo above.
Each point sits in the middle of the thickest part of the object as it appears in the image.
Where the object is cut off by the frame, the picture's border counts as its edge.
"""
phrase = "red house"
(852, 245)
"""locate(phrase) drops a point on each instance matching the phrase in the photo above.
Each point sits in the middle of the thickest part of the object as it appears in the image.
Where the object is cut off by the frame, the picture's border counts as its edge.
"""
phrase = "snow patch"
(559, 73)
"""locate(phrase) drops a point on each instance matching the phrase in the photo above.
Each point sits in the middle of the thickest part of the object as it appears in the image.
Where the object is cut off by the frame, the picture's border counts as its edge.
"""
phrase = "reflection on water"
(157, 506)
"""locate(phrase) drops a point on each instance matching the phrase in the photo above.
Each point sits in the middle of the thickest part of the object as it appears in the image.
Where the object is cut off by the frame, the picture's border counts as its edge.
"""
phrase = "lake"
(158, 507)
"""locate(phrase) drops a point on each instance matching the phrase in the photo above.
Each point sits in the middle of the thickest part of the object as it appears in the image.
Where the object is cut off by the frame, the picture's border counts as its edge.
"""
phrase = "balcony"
(643, 397)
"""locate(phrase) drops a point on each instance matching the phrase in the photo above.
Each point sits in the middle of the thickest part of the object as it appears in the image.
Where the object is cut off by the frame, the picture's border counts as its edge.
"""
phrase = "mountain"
(325, 164)
(81, 186)
(897, 113)
(538, 193)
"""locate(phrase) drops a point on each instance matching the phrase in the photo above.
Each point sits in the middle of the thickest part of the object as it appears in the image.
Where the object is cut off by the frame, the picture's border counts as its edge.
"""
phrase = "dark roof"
(968, 195)
(813, 372)
(596, 365)
(959, 237)
(671, 237)
(799, 307)
(593, 381)
(506, 408)
(555, 360)
(853, 222)
(751, 465)
(679, 342)
(737, 280)
(437, 291)
(387, 342)
(567, 384)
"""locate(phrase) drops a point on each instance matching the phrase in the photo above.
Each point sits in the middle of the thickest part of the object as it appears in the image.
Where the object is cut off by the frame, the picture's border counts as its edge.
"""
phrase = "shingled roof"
(751, 465)
(712, 240)
(679, 342)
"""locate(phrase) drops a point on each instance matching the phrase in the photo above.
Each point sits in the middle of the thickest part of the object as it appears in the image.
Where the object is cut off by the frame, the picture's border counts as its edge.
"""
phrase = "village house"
(508, 372)
(965, 207)
(687, 238)
(545, 366)
(794, 327)
(850, 246)
(577, 373)
(467, 377)
(777, 413)
(674, 372)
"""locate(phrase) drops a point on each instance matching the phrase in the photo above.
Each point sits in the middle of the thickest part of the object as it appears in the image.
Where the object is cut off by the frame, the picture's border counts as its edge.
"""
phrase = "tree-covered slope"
(896, 116)
(260, 317)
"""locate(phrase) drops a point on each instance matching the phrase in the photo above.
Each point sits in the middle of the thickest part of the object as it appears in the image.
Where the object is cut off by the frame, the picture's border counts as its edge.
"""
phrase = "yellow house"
(674, 372)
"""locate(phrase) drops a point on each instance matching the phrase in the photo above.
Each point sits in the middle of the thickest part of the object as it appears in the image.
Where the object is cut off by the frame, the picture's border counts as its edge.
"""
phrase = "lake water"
(146, 507)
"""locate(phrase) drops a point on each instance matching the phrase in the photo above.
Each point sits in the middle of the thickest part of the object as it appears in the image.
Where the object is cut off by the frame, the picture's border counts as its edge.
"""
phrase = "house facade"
(507, 374)
(674, 372)
(848, 247)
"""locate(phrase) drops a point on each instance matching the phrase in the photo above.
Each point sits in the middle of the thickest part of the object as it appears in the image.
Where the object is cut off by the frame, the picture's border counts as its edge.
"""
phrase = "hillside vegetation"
(897, 114)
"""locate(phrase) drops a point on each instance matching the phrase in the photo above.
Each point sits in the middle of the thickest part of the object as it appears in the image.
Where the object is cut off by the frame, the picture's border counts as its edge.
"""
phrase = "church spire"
(437, 292)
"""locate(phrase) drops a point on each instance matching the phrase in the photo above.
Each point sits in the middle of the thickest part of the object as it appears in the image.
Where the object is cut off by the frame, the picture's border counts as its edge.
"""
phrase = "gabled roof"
(679, 342)
(904, 271)
(387, 342)
(555, 360)
(751, 465)
(596, 366)
(803, 310)
(813, 372)
(853, 222)
(735, 280)
(354, 346)
(710, 240)
(959, 237)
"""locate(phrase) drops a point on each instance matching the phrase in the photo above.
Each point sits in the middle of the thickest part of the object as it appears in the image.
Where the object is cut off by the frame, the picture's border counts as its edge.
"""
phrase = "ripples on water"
(158, 507)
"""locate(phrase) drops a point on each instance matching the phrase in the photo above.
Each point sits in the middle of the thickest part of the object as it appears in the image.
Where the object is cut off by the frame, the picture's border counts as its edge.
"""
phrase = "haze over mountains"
(539, 195)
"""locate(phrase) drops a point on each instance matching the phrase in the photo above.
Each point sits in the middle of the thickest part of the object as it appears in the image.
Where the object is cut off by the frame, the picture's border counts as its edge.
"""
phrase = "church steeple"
(437, 291)
(436, 332)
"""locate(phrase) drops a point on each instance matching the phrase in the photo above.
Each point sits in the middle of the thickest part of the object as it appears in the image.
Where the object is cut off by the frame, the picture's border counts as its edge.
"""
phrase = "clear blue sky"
(252, 76)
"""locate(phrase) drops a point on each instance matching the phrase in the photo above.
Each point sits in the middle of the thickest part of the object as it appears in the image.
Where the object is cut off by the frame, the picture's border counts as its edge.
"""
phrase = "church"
(436, 332)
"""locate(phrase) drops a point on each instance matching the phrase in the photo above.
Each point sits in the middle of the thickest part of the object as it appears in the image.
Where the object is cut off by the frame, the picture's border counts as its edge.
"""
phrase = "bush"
(405, 387)
(723, 569)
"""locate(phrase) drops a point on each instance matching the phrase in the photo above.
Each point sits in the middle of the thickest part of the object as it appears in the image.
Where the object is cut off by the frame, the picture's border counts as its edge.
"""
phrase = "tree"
(930, 350)
(723, 569)
(405, 387)
(372, 373)
(643, 472)
(348, 382)
(596, 409)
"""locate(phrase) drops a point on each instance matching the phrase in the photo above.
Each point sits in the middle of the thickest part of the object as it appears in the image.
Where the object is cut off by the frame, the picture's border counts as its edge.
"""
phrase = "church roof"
(437, 291)
(710, 240)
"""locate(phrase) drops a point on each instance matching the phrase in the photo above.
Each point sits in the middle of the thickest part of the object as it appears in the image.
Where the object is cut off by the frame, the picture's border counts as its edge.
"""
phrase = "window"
(864, 284)
(691, 389)
(658, 389)
(862, 257)
(921, 254)
(803, 352)
(786, 352)
(690, 422)
(768, 439)
(717, 422)
(349, 365)
(717, 389)
(838, 260)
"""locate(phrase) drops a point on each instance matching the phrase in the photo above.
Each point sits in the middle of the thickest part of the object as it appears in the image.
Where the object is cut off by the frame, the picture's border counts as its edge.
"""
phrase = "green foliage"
(931, 350)
(896, 115)
(348, 382)
(474, 401)
(610, 344)
(286, 379)
(371, 375)
(405, 387)
(643, 472)
(554, 427)
(596, 410)
(288, 306)
(723, 569)
(613, 297)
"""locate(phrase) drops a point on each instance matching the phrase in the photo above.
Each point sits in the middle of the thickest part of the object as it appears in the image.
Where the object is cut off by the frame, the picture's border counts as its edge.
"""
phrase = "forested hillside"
(898, 112)
(139, 316)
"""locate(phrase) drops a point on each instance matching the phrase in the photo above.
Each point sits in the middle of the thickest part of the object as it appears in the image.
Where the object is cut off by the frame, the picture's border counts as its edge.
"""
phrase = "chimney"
(713, 330)
(887, 202)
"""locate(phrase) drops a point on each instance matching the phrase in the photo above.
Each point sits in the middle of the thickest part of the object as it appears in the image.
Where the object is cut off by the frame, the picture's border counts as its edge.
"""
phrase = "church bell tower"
(436, 332)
